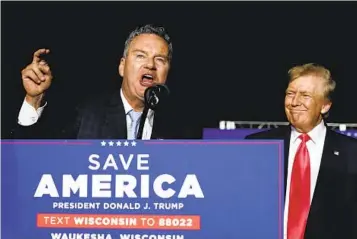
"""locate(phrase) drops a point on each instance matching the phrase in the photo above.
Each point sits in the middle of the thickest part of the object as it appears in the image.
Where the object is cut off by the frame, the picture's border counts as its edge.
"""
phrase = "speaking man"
(145, 63)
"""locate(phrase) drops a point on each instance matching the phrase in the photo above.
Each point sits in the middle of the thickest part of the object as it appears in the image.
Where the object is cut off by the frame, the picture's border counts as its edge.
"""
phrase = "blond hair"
(314, 70)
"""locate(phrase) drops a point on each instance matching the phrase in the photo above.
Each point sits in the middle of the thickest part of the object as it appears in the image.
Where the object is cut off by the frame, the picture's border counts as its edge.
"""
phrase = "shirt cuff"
(28, 114)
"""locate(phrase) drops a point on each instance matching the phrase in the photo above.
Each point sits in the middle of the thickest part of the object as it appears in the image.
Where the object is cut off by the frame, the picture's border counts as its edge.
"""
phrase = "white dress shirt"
(315, 147)
(28, 116)
(148, 122)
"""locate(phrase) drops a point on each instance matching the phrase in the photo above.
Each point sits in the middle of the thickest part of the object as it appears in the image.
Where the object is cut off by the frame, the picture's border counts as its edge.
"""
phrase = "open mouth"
(147, 80)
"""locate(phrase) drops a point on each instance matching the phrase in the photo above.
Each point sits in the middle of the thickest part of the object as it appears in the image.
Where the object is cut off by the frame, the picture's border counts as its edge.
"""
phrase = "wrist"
(35, 101)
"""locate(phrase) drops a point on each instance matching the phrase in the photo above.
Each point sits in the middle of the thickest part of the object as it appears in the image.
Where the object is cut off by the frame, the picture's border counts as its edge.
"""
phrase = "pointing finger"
(38, 53)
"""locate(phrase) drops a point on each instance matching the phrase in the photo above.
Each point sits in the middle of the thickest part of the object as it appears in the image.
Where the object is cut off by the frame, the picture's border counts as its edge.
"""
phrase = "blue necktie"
(135, 121)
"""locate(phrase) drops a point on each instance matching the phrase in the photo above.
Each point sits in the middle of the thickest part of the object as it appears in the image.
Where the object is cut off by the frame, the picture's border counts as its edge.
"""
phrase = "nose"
(150, 64)
(296, 100)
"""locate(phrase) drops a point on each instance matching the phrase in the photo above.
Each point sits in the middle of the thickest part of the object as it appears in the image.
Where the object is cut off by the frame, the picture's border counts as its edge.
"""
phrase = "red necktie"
(299, 198)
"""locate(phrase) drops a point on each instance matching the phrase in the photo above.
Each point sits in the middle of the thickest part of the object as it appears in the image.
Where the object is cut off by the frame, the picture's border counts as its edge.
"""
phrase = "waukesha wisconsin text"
(125, 184)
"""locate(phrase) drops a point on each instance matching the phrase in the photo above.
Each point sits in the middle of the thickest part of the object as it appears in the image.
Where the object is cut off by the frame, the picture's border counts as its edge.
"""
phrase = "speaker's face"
(146, 64)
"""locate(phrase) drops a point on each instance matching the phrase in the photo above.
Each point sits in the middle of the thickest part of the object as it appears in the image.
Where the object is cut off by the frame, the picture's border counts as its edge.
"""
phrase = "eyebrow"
(161, 55)
(137, 50)
(301, 92)
(144, 52)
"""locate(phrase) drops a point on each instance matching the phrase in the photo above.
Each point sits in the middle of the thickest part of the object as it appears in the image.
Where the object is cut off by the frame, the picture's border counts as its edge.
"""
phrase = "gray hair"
(148, 29)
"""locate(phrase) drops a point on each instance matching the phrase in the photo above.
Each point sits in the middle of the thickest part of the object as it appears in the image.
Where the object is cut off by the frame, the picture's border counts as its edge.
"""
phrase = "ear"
(326, 107)
(121, 67)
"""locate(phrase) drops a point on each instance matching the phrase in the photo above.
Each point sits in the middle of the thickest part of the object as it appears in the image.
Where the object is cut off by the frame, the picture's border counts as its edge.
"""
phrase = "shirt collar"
(315, 134)
(128, 108)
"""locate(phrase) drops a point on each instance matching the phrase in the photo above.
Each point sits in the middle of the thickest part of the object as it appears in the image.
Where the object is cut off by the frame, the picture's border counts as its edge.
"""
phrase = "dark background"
(230, 60)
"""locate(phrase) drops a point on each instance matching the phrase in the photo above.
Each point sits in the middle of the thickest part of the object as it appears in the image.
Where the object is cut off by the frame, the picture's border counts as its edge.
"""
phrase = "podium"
(91, 189)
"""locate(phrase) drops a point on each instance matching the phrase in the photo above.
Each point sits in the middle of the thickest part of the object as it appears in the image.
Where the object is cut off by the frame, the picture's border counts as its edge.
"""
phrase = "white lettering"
(46, 186)
(81, 185)
(145, 186)
(101, 186)
(126, 164)
(124, 185)
(142, 161)
(80, 236)
(111, 162)
(92, 159)
(191, 187)
(158, 186)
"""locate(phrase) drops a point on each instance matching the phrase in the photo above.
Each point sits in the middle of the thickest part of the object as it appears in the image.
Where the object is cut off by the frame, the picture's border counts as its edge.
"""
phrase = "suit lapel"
(327, 167)
(329, 183)
(115, 119)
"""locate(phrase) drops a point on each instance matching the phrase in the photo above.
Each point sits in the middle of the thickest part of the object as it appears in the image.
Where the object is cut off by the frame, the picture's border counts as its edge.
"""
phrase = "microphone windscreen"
(155, 94)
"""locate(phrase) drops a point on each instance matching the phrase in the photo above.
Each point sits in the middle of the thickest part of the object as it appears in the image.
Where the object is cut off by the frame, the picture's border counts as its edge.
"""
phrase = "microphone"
(153, 96)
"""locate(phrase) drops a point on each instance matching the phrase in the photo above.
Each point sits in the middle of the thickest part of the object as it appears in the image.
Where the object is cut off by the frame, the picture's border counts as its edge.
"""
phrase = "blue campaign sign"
(161, 189)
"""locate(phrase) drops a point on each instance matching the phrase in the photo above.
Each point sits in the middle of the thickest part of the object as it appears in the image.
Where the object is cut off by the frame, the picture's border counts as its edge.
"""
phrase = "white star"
(118, 143)
(133, 143)
(111, 143)
(126, 143)
(103, 143)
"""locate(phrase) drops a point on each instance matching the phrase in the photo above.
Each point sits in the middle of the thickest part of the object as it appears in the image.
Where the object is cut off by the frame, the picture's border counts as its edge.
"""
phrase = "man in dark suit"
(320, 164)
(145, 62)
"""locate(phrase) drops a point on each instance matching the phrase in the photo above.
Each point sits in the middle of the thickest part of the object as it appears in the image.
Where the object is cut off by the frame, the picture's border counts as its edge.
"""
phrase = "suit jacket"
(333, 211)
(103, 117)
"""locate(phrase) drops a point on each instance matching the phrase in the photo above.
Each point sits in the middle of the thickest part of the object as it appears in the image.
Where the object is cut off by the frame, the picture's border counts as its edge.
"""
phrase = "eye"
(140, 56)
(161, 60)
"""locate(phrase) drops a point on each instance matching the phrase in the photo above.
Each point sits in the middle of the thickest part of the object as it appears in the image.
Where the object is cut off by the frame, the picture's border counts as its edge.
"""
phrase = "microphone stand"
(151, 101)
(142, 122)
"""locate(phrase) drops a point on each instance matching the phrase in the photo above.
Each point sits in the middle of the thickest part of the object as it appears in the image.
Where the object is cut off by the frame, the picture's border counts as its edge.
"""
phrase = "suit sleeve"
(51, 125)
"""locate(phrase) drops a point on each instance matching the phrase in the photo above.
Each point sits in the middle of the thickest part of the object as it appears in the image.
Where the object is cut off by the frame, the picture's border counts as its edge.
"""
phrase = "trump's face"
(146, 64)
(305, 102)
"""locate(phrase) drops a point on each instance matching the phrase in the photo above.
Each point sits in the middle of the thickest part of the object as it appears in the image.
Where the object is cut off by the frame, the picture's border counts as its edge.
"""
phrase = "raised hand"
(37, 78)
